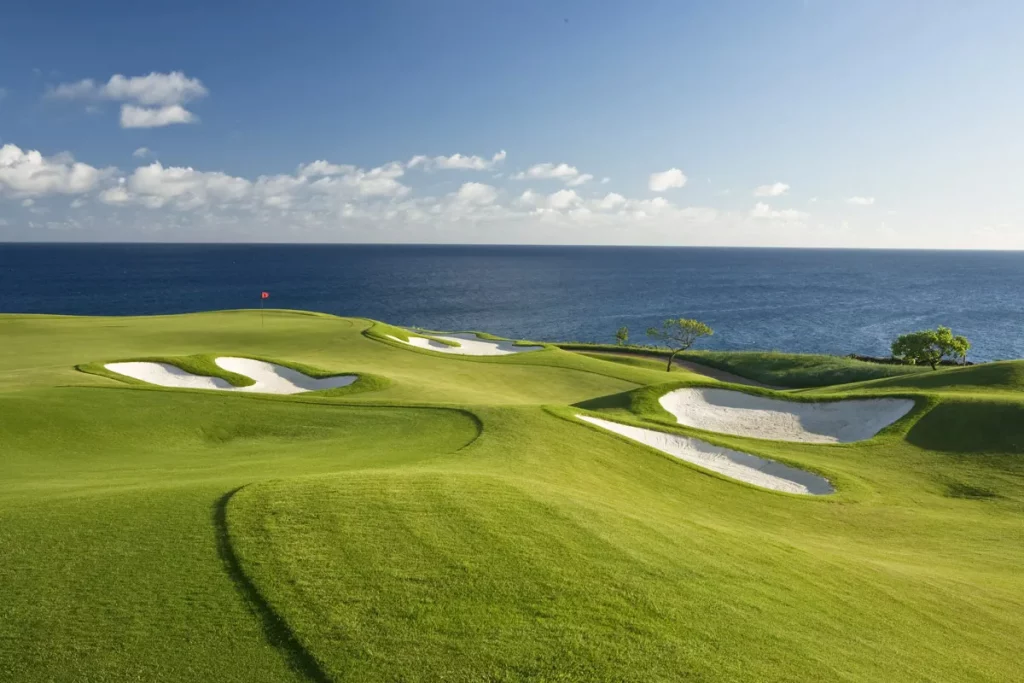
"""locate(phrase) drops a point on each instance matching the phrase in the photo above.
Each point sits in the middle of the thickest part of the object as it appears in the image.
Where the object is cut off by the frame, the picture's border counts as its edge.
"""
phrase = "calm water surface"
(833, 301)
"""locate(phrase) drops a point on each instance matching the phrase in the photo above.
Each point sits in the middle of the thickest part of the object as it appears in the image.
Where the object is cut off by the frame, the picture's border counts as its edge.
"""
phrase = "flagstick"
(261, 311)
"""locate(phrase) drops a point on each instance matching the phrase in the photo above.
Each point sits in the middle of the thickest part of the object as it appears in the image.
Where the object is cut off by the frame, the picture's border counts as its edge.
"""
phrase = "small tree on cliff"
(930, 347)
(622, 336)
(679, 334)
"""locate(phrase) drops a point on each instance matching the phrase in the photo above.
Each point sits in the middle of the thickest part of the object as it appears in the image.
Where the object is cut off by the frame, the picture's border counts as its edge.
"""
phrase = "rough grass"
(791, 370)
(799, 370)
(458, 523)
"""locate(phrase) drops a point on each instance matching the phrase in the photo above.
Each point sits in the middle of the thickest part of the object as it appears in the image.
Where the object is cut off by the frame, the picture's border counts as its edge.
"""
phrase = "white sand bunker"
(734, 412)
(744, 467)
(269, 378)
(468, 345)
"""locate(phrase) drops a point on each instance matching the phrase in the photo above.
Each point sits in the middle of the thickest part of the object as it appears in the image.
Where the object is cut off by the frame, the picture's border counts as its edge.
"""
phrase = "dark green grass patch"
(985, 378)
(798, 370)
(792, 370)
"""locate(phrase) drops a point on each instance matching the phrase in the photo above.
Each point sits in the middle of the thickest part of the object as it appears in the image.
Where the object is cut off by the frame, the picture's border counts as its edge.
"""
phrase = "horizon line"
(492, 244)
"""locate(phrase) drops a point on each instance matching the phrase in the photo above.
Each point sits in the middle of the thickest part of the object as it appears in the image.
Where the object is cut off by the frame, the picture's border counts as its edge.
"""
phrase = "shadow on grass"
(275, 629)
(971, 427)
(959, 490)
(621, 400)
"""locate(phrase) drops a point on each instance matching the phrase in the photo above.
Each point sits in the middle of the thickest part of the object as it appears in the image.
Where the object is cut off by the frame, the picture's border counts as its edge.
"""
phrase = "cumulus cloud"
(155, 117)
(861, 201)
(27, 173)
(457, 162)
(762, 210)
(556, 201)
(150, 101)
(477, 193)
(142, 152)
(549, 171)
(773, 190)
(666, 180)
(563, 199)
(610, 201)
(581, 179)
(327, 201)
(116, 195)
(322, 167)
(184, 188)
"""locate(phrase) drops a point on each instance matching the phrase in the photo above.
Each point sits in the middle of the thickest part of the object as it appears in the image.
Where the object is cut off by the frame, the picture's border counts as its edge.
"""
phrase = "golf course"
(247, 496)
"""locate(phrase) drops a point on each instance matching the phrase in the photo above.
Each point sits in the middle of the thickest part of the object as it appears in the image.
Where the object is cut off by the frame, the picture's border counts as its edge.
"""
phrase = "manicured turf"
(454, 521)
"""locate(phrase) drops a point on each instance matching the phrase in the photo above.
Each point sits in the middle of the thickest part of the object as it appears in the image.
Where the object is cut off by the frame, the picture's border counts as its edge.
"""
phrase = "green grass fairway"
(452, 520)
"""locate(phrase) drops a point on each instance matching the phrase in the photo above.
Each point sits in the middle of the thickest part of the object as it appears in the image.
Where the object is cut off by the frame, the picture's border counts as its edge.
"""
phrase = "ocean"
(827, 301)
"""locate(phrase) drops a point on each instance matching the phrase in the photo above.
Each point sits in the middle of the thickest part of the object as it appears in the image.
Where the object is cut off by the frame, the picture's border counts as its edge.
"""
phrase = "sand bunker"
(468, 345)
(741, 466)
(269, 378)
(734, 412)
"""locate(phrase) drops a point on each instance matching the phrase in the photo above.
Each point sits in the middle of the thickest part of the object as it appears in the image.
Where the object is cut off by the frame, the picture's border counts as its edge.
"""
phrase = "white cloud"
(457, 162)
(548, 171)
(477, 193)
(184, 188)
(142, 152)
(150, 101)
(324, 168)
(155, 117)
(579, 180)
(861, 201)
(377, 182)
(556, 201)
(666, 180)
(605, 180)
(27, 173)
(28, 202)
(762, 210)
(115, 195)
(563, 199)
(773, 190)
(610, 201)
(324, 201)
(154, 89)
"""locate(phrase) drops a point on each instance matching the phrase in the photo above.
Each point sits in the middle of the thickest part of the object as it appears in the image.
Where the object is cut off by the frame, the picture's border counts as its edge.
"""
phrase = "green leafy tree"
(930, 347)
(679, 334)
(622, 336)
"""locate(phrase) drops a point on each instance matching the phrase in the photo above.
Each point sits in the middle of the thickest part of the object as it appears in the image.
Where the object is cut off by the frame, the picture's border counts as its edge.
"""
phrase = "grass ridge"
(275, 628)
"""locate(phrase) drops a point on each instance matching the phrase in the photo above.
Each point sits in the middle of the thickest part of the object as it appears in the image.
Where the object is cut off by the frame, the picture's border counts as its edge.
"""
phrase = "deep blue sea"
(831, 301)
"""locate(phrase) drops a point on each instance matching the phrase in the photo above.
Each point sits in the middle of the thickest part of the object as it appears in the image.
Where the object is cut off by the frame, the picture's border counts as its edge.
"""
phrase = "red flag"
(265, 295)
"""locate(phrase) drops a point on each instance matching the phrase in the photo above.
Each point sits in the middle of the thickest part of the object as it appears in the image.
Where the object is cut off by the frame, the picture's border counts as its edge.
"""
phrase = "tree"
(930, 347)
(622, 336)
(679, 334)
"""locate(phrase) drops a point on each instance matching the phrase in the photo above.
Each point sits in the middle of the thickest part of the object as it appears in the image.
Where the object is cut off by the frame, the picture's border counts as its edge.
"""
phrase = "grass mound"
(773, 368)
(985, 378)
(798, 370)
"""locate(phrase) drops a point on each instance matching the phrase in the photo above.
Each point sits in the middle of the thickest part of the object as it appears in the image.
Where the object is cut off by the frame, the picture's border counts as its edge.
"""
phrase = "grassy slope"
(170, 535)
(794, 370)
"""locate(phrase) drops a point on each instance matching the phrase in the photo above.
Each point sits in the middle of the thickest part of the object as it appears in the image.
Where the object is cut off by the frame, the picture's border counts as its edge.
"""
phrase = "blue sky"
(784, 123)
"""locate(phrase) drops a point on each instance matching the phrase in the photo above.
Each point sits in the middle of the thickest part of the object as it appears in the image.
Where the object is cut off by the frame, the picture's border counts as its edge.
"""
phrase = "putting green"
(454, 520)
